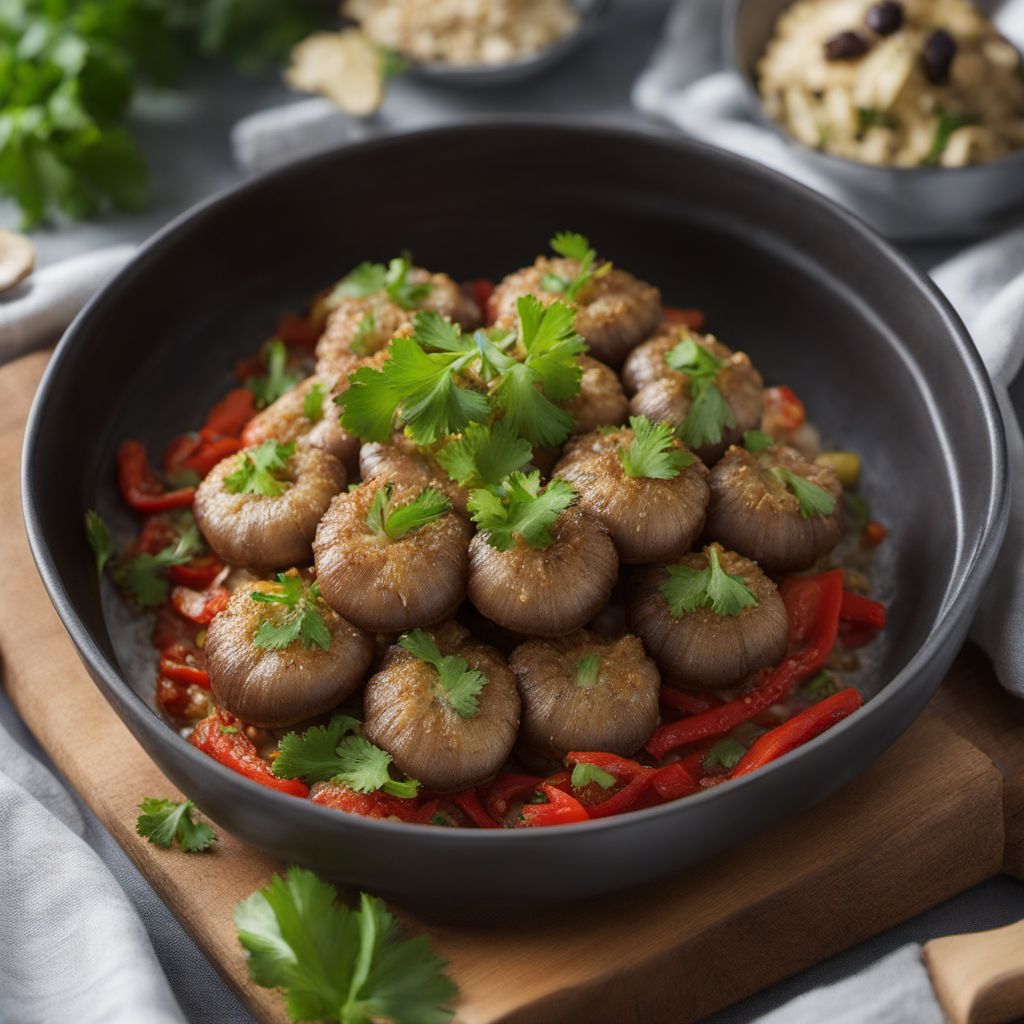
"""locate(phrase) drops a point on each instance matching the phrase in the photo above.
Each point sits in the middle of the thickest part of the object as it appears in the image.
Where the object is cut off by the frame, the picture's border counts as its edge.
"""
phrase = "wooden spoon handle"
(979, 978)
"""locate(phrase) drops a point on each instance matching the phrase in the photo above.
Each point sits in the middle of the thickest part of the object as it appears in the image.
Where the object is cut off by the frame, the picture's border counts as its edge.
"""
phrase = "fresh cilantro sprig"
(588, 668)
(142, 577)
(373, 278)
(651, 453)
(522, 510)
(313, 403)
(709, 413)
(336, 964)
(725, 753)
(484, 455)
(946, 123)
(396, 521)
(584, 775)
(459, 685)
(277, 380)
(812, 499)
(757, 441)
(302, 621)
(337, 753)
(256, 470)
(686, 590)
(98, 536)
(163, 821)
(365, 330)
(573, 246)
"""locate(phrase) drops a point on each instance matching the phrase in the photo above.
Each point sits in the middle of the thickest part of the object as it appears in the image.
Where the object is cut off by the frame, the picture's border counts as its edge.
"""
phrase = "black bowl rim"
(830, 161)
(973, 568)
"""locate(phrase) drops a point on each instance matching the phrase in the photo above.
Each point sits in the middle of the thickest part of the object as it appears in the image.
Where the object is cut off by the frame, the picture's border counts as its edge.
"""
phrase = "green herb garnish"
(584, 775)
(395, 521)
(587, 670)
(868, 117)
(522, 510)
(365, 329)
(277, 380)
(652, 452)
(726, 753)
(302, 621)
(757, 441)
(98, 536)
(257, 468)
(142, 576)
(576, 247)
(313, 403)
(483, 456)
(945, 124)
(686, 590)
(709, 412)
(372, 278)
(163, 821)
(460, 685)
(812, 499)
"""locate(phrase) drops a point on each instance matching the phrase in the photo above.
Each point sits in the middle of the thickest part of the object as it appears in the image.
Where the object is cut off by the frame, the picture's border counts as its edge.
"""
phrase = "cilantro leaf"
(651, 453)
(522, 511)
(363, 767)
(586, 774)
(725, 753)
(337, 964)
(365, 279)
(587, 670)
(709, 412)
(396, 521)
(163, 821)
(365, 329)
(483, 456)
(372, 278)
(459, 684)
(686, 590)
(277, 380)
(812, 499)
(98, 536)
(553, 348)
(142, 577)
(313, 403)
(301, 622)
(529, 412)
(576, 247)
(757, 441)
(313, 756)
(256, 469)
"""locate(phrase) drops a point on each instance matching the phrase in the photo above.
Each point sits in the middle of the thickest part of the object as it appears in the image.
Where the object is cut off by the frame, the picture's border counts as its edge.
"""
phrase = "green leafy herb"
(858, 508)
(757, 441)
(459, 684)
(142, 577)
(163, 821)
(277, 380)
(229, 730)
(726, 753)
(652, 452)
(945, 124)
(364, 334)
(483, 456)
(256, 470)
(868, 117)
(812, 499)
(576, 247)
(98, 535)
(372, 278)
(396, 521)
(336, 964)
(686, 590)
(363, 767)
(823, 685)
(523, 510)
(302, 619)
(313, 403)
(587, 670)
(709, 412)
(584, 775)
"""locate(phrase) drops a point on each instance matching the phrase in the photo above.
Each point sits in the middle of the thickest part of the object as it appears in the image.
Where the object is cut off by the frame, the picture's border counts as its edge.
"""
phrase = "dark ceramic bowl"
(818, 301)
(904, 203)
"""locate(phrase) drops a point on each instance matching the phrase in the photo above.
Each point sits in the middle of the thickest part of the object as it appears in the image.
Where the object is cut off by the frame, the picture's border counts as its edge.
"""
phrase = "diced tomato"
(875, 533)
(783, 411)
(173, 633)
(182, 700)
(692, 318)
(296, 331)
(200, 606)
(183, 671)
(198, 573)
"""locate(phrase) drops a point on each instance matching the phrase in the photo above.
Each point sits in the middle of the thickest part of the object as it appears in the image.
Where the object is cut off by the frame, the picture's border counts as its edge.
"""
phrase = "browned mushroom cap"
(649, 520)
(286, 420)
(702, 649)
(668, 399)
(277, 688)
(268, 532)
(545, 591)
(583, 692)
(407, 714)
(360, 327)
(753, 510)
(404, 462)
(388, 585)
(646, 362)
(600, 401)
(614, 310)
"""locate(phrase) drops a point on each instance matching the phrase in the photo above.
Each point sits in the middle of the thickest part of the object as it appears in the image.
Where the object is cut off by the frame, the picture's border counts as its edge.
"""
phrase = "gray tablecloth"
(187, 139)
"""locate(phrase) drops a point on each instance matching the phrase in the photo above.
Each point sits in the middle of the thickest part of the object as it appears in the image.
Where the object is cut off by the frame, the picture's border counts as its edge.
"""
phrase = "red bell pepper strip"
(813, 604)
(783, 410)
(198, 573)
(296, 331)
(679, 779)
(561, 809)
(687, 703)
(183, 671)
(199, 606)
(210, 453)
(236, 751)
(183, 447)
(798, 730)
(369, 805)
(469, 803)
(633, 776)
(139, 485)
(862, 611)
(875, 533)
(230, 414)
(507, 790)
(692, 318)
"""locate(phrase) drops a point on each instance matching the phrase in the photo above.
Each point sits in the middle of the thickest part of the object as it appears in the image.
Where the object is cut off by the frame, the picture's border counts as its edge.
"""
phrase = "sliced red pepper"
(183, 447)
(798, 730)
(687, 703)
(181, 700)
(783, 410)
(369, 805)
(183, 671)
(679, 779)
(236, 751)
(507, 790)
(469, 802)
(692, 318)
(200, 606)
(632, 777)
(862, 611)
(875, 533)
(139, 485)
(813, 604)
(561, 809)
(296, 331)
(231, 413)
(198, 573)
(212, 452)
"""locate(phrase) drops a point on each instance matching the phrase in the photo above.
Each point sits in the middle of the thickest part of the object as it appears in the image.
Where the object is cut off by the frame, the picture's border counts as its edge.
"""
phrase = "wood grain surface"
(925, 822)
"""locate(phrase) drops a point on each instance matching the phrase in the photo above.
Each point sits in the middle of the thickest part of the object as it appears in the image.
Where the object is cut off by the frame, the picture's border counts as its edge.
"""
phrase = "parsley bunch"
(576, 247)
(337, 753)
(521, 509)
(257, 470)
(686, 590)
(301, 619)
(651, 453)
(396, 521)
(376, 278)
(459, 685)
(709, 412)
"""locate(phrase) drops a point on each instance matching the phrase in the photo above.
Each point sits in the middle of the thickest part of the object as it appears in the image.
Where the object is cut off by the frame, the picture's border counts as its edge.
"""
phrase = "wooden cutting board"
(940, 812)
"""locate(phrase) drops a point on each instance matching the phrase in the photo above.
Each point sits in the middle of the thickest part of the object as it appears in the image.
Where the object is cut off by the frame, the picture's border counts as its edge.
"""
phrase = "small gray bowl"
(903, 203)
